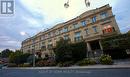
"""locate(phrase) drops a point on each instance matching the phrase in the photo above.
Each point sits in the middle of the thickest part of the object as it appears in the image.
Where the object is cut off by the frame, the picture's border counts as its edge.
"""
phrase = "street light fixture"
(87, 3)
(66, 5)
(24, 33)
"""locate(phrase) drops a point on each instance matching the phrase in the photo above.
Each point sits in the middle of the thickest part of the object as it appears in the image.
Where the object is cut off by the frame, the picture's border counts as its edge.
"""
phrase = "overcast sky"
(33, 16)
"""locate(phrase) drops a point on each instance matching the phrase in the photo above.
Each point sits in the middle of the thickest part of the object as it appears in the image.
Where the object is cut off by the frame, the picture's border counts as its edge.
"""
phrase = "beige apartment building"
(91, 26)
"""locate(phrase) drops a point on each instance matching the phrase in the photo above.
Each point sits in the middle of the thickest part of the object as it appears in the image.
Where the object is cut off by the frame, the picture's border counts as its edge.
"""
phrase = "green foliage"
(128, 32)
(66, 51)
(24, 65)
(5, 53)
(18, 57)
(14, 57)
(115, 46)
(63, 51)
(106, 60)
(78, 51)
(42, 63)
(65, 64)
(0, 54)
(12, 65)
(116, 53)
(119, 41)
(86, 61)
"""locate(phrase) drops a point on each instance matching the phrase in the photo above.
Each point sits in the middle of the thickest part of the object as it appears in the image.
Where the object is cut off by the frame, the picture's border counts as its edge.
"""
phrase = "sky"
(33, 16)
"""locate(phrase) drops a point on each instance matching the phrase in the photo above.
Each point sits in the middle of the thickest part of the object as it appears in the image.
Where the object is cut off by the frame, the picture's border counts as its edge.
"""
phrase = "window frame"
(84, 23)
(94, 19)
(95, 29)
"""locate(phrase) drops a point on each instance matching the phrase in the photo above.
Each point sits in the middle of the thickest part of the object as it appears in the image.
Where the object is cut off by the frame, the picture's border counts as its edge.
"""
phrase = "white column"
(88, 47)
(101, 46)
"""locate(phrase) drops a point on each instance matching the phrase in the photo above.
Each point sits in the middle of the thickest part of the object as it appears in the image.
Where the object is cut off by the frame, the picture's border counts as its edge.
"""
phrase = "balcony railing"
(108, 30)
(43, 47)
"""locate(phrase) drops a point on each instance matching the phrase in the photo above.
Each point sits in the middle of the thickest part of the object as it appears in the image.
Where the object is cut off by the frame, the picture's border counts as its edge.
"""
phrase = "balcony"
(108, 30)
(43, 48)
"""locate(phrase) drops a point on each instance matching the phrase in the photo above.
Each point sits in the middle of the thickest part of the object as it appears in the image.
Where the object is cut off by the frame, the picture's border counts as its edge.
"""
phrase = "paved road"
(123, 72)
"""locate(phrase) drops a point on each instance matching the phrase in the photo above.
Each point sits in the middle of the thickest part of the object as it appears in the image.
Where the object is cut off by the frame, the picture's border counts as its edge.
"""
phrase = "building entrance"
(95, 45)
(95, 49)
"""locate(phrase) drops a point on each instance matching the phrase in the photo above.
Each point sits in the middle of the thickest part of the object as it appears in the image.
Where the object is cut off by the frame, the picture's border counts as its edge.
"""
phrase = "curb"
(78, 67)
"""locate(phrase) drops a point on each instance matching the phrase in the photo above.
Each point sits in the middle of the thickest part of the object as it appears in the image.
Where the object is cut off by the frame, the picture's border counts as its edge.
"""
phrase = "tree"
(66, 51)
(63, 51)
(79, 50)
(116, 46)
(128, 32)
(118, 41)
(18, 57)
(5, 53)
(14, 57)
(0, 55)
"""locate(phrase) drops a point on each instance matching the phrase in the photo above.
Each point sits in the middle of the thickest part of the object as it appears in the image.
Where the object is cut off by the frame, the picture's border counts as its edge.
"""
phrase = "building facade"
(91, 26)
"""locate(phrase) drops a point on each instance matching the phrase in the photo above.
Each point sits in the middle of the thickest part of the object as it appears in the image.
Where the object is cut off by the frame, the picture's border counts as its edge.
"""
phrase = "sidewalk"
(122, 61)
(119, 64)
(79, 67)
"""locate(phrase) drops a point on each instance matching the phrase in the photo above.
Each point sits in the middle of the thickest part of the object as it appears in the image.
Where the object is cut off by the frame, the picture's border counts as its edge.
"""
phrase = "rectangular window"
(103, 15)
(57, 32)
(49, 35)
(83, 23)
(50, 46)
(94, 19)
(53, 33)
(46, 36)
(78, 36)
(43, 43)
(42, 37)
(43, 47)
(87, 31)
(76, 25)
(49, 41)
(66, 37)
(66, 29)
(95, 29)
(60, 31)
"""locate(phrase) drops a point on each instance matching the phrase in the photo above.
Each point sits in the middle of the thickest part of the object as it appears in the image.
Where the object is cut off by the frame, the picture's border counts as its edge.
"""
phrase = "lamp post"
(87, 3)
(32, 39)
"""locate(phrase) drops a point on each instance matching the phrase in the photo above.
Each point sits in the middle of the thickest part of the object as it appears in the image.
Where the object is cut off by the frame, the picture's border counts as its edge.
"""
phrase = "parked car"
(3, 66)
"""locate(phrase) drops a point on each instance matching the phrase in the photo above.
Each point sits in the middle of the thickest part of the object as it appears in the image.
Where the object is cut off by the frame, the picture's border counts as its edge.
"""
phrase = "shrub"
(60, 64)
(24, 65)
(43, 63)
(67, 51)
(106, 60)
(65, 64)
(40, 63)
(86, 62)
(12, 65)
(116, 53)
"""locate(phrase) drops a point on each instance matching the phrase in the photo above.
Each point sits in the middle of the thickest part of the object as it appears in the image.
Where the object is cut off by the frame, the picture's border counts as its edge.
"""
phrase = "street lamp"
(66, 5)
(24, 33)
(87, 3)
